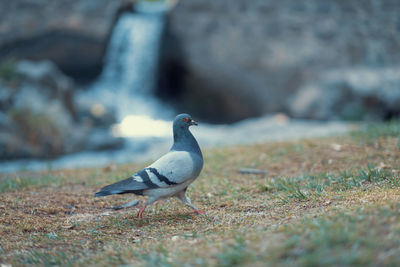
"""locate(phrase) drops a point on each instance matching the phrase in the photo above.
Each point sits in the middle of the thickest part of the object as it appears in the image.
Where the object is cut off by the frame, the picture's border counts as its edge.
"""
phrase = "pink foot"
(198, 212)
(140, 213)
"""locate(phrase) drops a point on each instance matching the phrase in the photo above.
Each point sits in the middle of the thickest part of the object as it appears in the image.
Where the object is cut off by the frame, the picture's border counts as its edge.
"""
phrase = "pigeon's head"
(184, 121)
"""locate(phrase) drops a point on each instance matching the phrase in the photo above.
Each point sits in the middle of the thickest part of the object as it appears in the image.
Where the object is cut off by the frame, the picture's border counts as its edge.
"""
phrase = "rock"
(46, 76)
(44, 72)
(71, 34)
(353, 94)
(5, 122)
(11, 145)
(246, 58)
(251, 171)
(39, 116)
(101, 139)
(94, 112)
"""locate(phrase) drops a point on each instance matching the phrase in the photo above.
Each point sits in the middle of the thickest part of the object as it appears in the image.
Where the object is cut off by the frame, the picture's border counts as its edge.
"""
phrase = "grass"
(330, 201)
(235, 254)
(372, 132)
(314, 186)
(364, 236)
(44, 258)
(17, 182)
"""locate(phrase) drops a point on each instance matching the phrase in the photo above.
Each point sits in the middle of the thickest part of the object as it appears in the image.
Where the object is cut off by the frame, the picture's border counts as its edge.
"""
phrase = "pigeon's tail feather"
(105, 193)
(109, 190)
(123, 187)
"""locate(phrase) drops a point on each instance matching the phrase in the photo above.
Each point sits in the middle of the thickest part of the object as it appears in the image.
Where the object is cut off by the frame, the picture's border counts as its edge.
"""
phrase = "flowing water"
(129, 76)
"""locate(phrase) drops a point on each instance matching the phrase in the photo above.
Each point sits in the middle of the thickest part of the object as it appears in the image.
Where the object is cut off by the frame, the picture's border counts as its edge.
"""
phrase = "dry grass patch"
(314, 190)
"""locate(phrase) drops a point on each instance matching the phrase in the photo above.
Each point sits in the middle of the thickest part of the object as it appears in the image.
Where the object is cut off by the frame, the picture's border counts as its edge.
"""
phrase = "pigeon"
(170, 175)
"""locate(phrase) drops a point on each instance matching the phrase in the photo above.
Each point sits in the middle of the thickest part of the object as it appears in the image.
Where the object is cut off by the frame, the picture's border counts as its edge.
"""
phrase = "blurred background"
(105, 78)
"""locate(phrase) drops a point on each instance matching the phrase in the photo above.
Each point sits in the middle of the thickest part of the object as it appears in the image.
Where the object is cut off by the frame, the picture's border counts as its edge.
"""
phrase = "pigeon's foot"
(198, 212)
(140, 213)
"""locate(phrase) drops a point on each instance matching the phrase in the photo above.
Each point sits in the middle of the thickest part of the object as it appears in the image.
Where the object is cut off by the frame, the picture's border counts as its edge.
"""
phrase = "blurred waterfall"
(126, 86)
(129, 75)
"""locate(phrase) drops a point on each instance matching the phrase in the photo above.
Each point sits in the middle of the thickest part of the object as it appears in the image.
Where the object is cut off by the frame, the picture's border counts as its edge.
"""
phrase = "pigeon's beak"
(192, 122)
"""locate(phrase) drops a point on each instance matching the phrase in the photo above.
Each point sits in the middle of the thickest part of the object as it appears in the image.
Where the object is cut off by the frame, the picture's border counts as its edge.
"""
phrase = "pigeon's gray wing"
(171, 169)
(175, 167)
(134, 184)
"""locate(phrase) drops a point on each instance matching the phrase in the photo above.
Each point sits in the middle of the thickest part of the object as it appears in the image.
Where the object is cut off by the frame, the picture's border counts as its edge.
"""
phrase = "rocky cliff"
(39, 113)
(40, 117)
(246, 58)
(73, 34)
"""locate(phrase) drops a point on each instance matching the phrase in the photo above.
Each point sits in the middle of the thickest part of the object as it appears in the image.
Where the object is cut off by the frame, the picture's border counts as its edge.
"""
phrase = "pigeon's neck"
(185, 141)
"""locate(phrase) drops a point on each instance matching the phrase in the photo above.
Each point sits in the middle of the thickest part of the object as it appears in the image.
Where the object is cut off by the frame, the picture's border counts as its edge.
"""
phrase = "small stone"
(251, 171)
(336, 147)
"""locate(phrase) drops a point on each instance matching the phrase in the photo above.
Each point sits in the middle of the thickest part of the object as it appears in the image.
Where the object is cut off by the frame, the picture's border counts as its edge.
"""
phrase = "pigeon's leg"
(133, 203)
(149, 201)
(141, 209)
(182, 197)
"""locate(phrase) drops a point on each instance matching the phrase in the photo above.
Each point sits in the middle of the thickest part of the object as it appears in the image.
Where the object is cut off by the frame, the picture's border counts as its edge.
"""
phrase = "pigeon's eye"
(186, 119)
